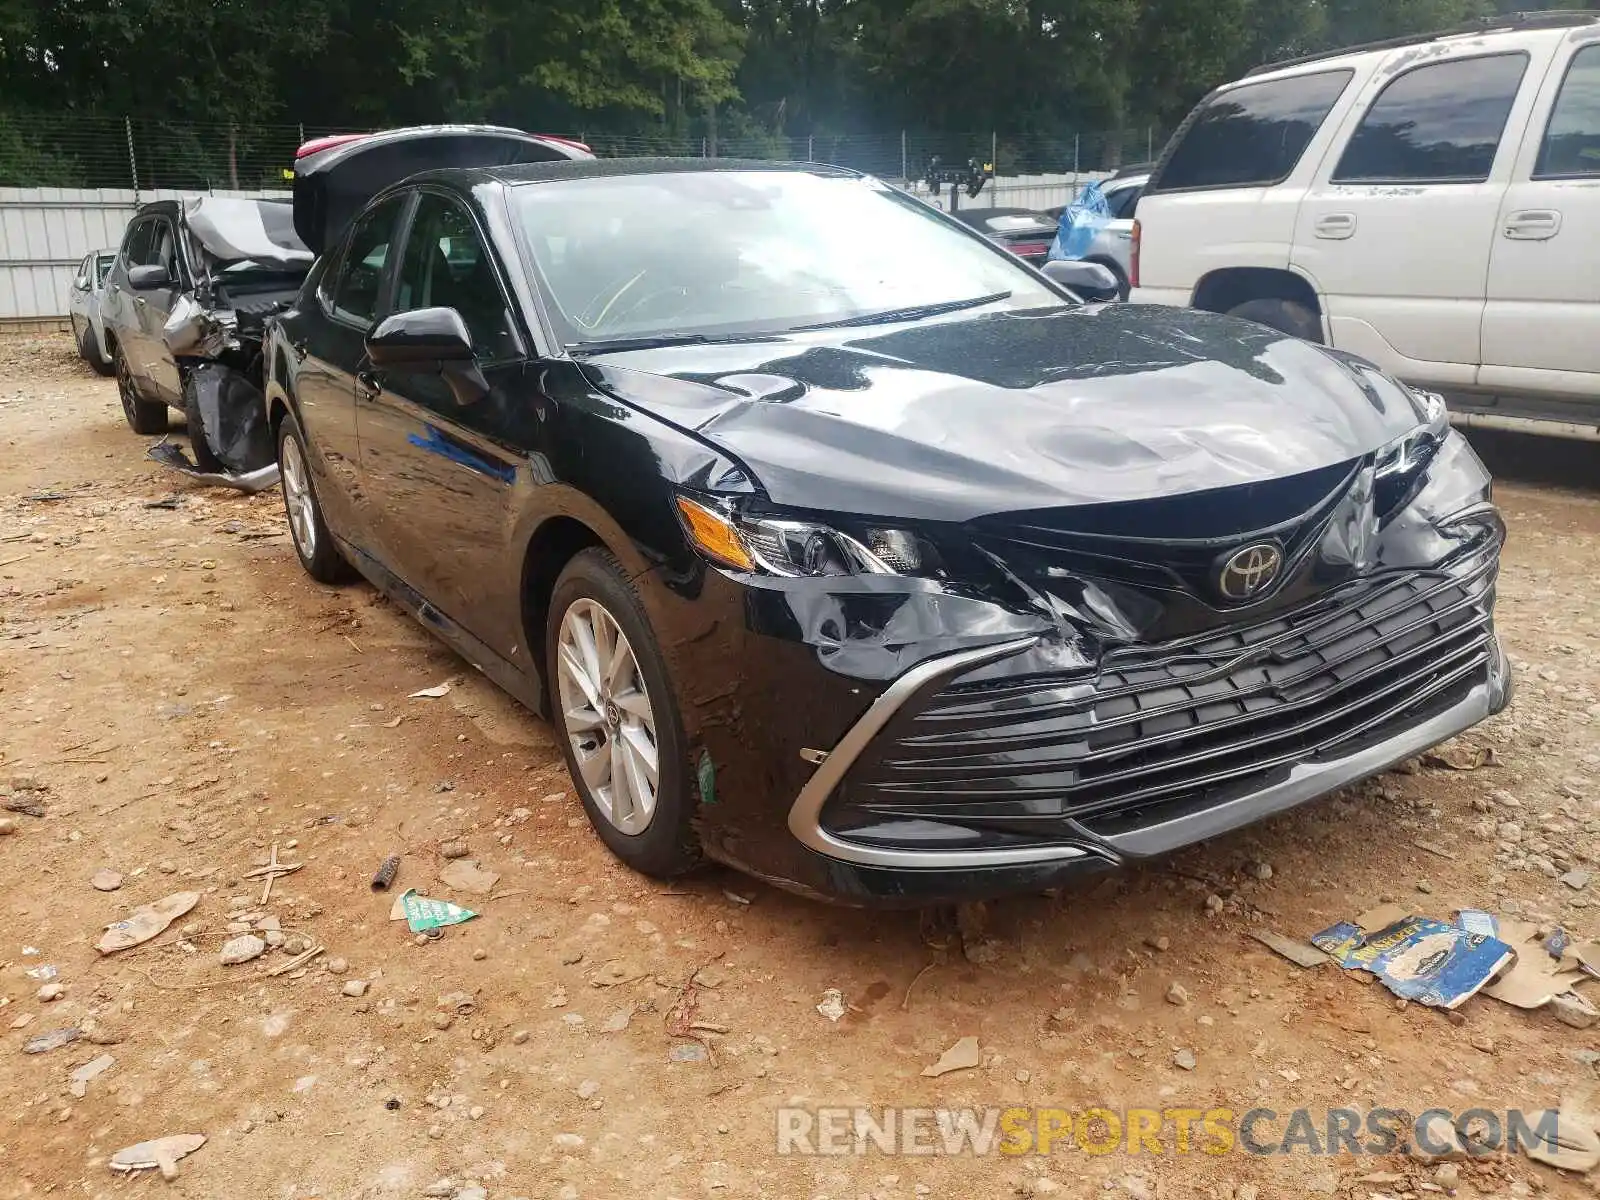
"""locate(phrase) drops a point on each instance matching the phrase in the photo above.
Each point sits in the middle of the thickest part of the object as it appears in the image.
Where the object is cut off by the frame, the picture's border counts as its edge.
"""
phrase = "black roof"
(606, 168)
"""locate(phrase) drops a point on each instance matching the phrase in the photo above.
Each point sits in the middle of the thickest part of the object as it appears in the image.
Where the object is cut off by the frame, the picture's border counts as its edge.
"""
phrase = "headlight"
(779, 546)
(1397, 469)
(1406, 454)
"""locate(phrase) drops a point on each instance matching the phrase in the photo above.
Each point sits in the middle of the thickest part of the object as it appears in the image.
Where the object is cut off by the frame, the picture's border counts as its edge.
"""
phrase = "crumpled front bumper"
(884, 875)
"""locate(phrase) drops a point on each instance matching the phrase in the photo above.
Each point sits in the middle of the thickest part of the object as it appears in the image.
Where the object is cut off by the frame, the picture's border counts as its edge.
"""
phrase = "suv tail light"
(1133, 256)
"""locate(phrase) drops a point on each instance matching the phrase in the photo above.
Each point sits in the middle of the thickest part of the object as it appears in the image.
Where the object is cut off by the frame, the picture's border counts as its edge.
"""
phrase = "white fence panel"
(45, 232)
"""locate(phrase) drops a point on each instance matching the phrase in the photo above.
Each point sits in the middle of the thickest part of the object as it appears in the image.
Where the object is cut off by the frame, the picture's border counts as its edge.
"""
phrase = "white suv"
(1429, 203)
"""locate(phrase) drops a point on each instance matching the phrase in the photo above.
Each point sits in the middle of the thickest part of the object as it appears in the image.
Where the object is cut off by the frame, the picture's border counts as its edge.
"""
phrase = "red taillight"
(1028, 249)
(1133, 256)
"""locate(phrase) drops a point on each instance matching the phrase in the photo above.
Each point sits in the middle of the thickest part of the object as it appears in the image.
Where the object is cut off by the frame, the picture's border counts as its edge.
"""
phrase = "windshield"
(729, 252)
(102, 266)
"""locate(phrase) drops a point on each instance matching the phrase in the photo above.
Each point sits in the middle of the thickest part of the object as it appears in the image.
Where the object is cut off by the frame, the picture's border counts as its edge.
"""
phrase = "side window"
(164, 247)
(1435, 124)
(366, 259)
(447, 266)
(1250, 136)
(1571, 146)
(1123, 203)
(136, 246)
(82, 279)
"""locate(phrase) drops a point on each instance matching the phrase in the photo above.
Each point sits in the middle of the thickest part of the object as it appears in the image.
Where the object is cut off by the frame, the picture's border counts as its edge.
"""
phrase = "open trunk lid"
(335, 177)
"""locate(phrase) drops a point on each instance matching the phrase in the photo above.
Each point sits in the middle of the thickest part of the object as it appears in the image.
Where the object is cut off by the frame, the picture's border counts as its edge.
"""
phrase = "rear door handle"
(1336, 226)
(1533, 225)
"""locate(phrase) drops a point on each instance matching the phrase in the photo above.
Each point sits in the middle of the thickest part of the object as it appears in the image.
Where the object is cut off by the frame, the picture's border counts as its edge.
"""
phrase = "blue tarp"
(1080, 222)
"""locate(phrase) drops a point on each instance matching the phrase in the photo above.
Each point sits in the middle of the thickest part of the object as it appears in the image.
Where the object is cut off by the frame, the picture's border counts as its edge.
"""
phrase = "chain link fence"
(79, 151)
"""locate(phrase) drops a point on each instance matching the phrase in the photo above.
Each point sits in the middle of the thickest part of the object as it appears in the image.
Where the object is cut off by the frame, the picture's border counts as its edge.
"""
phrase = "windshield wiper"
(655, 341)
(915, 313)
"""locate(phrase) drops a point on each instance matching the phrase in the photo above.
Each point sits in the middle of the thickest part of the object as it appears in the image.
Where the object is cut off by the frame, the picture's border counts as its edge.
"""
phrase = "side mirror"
(424, 338)
(149, 277)
(1090, 280)
(430, 339)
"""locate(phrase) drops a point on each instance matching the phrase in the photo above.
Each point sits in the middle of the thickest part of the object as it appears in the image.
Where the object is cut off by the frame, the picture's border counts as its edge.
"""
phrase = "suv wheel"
(621, 731)
(313, 544)
(144, 416)
(1286, 316)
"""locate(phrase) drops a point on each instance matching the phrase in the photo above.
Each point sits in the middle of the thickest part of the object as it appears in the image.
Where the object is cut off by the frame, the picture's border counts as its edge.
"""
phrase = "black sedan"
(842, 547)
(1025, 233)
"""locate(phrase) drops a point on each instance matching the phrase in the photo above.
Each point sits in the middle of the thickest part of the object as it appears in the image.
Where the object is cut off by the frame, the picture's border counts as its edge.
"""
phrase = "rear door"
(1541, 326)
(1396, 232)
(440, 476)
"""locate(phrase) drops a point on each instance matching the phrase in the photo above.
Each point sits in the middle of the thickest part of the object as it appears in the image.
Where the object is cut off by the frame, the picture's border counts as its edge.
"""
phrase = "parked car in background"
(83, 309)
(842, 546)
(1431, 203)
(197, 281)
(1022, 231)
(1112, 246)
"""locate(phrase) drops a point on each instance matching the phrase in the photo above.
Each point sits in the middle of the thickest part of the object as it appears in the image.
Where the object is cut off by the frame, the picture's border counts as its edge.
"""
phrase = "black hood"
(955, 419)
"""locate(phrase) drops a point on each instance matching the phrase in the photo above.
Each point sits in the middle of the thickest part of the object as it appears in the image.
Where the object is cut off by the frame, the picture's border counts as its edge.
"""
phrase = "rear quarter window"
(1250, 136)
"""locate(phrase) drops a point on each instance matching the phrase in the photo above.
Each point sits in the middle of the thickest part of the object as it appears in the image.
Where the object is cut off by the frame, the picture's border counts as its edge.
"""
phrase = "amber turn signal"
(714, 534)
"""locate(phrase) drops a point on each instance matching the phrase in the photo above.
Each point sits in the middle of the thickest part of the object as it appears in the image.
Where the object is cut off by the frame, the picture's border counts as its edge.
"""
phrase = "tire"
(659, 842)
(198, 446)
(82, 339)
(313, 544)
(144, 416)
(96, 360)
(1286, 316)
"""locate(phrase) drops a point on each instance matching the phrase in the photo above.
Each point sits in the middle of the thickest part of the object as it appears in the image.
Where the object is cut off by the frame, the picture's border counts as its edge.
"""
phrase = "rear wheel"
(144, 416)
(313, 544)
(622, 734)
(1286, 316)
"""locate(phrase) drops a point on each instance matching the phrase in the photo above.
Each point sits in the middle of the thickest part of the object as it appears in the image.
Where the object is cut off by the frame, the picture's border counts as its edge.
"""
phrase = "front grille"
(1156, 723)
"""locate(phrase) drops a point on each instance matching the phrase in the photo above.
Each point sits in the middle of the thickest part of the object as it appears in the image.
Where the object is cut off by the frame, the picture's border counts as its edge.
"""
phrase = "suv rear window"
(1436, 124)
(1252, 135)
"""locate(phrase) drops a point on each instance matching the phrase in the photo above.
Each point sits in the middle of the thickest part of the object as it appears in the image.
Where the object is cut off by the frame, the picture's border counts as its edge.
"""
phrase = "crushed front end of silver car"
(248, 264)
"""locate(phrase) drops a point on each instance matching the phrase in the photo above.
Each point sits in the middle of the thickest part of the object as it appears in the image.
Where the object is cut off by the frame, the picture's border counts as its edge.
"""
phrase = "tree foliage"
(1026, 68)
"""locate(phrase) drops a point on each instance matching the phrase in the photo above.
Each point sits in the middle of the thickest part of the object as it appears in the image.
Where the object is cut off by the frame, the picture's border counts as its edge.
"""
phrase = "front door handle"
(1533, 225)
(1336, 226)
(368, 385)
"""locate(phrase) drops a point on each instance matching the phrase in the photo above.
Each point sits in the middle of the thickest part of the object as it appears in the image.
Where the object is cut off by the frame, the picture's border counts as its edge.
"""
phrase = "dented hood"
(959, 418)
(335, 177)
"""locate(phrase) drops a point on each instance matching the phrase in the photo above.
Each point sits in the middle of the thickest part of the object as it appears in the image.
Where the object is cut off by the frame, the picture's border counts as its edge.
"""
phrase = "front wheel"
(1286, 316)
(313, 544)
(621, 732)
(144, 416)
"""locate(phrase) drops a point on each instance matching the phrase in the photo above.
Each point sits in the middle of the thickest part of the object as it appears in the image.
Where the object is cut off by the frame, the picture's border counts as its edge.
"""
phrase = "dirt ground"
(183, 697)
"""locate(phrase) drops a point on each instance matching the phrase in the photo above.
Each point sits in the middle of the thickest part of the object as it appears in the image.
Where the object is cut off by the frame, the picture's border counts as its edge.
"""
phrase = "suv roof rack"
(1561, 18)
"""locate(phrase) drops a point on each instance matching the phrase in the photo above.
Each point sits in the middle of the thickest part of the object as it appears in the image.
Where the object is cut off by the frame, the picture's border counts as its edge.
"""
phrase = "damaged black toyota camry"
(841, 546)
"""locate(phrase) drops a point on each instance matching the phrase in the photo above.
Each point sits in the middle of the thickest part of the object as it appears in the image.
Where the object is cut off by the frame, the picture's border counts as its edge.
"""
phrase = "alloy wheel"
(606, 712)
(297, 499)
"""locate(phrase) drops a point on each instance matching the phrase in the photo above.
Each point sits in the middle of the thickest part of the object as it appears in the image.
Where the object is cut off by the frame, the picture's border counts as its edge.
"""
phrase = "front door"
(153, 306)
(1396, 232)
(1541, 328)
(329, 341)
(442, 475)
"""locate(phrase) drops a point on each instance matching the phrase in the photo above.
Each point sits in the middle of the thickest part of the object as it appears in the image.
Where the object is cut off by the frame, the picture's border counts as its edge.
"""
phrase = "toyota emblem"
(1248, 572)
